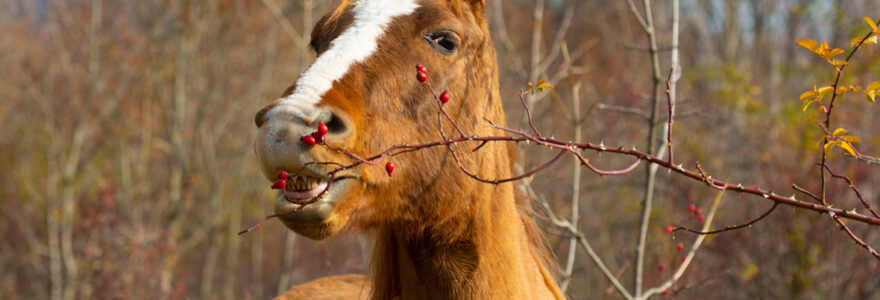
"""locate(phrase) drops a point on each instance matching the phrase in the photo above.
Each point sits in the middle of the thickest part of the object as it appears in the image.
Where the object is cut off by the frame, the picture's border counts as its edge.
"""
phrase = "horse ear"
(477, 6)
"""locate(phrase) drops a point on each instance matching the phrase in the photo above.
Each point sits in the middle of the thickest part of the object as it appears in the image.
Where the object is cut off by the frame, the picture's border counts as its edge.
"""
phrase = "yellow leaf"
(823, 49)
(854, 41)
(835, 52)
(872, 90)
(839, 131)
(806, 105)
(871, 40)
(748, 272)
(807, 94)
(846, 146)
(841, 90)
(824, 91)
(808, 43)
(838, 62)
(855, 88)
(851, 139)
(871, 23)
(830, 145)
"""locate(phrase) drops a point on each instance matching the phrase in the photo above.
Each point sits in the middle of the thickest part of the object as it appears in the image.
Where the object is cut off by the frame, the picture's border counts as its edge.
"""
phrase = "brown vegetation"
(127, 165)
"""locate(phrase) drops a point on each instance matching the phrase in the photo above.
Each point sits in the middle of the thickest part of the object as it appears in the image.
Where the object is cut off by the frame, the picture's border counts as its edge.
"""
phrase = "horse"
(438, 233)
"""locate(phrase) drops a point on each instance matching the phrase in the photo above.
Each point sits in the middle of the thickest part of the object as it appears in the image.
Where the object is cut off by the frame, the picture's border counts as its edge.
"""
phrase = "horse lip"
(299, 194)
(314, 212)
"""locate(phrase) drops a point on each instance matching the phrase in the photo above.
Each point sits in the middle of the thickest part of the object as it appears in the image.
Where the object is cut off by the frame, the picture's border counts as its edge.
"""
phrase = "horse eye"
(442, 42)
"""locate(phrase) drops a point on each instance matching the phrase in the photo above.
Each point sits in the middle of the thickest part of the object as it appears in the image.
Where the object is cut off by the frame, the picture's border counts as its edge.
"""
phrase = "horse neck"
(484, 251)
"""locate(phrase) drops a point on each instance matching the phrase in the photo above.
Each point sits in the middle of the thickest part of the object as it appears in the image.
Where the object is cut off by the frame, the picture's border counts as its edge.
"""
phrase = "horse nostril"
(336, 125)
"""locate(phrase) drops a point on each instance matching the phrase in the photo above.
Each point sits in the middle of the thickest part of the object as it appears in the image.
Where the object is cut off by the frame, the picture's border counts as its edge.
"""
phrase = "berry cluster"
(315, 137)
(697, 212)
(422, 75)
(281, 182)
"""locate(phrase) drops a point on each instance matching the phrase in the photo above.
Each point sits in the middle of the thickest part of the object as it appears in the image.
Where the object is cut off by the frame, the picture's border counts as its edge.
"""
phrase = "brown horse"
(439, 233)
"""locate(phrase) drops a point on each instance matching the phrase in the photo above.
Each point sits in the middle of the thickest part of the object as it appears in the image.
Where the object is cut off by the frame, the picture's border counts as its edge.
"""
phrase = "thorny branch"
(577, 149)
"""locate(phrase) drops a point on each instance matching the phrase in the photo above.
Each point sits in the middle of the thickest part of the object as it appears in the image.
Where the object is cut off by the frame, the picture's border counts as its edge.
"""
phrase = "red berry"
(308, 140)
(698, 211)
(422, 77)
(319, 138)
(279, 184)
(389, 167)
(444, 97)
(662, 267)
(422, 69)
(683, 258)
(282, 174)
(701, 217)
(669, 229)
(680, 246)
(666, 293)
(692, 208)
(322, 129)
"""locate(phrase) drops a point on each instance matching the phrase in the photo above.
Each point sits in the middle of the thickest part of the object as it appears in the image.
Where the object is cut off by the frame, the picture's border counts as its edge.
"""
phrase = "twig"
(729, 228)
(854, 188)
(865, 158)
(853, 236)
(690, 256)
(624, 109)
(586, 246)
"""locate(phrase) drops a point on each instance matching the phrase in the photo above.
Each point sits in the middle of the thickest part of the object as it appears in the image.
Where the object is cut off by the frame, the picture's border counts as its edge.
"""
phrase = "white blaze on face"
(354, 45)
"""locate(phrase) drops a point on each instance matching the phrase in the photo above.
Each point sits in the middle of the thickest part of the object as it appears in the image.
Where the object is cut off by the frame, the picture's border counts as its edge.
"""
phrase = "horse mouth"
(302, 188)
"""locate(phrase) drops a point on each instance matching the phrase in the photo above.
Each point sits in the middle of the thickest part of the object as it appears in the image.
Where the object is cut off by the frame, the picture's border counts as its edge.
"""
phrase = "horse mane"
(340, 8)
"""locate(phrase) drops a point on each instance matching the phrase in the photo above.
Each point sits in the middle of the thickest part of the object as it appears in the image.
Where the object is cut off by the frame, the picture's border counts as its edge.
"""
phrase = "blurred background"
(126, 167)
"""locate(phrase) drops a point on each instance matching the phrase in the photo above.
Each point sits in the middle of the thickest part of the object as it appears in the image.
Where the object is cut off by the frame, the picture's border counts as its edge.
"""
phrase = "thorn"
(793, 197)
(528, 142)
(739, 186)
(680, 167)
(766, 196)
(602, 146)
